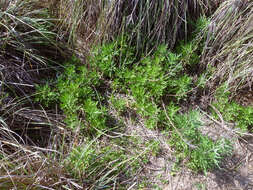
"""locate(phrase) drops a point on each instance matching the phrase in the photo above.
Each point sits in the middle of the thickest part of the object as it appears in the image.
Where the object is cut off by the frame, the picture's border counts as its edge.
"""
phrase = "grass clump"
(102, 165)
(87, 162)
(29, 48)
(155, 22)
(228, 47)
(29, 45)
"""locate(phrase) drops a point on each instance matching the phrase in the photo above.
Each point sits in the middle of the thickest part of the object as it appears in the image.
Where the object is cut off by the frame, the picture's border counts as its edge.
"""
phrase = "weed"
(187, 53)
(203, 153)
(209, 154)
(232, 111)
(119, 104)
(200, 25)
(148, 81)
(112, 57)
(180, 87)
(155, 147)
(75, 90)
(46, 96)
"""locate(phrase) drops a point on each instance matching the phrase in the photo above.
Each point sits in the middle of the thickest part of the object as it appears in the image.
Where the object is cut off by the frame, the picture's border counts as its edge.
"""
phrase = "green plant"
(154, 146)
(149, 80)
(120, 104)
(45, 95)
(76, 92)
(113, 57)
(146, 80)
(88, 162)
(209, 154)
(200, 186)
(200, 25)
(187, 53)
(180, 87)
(94, 115)
(104, 58)
(232, 111)
(178, 83)
(202, 152)
(80, 160)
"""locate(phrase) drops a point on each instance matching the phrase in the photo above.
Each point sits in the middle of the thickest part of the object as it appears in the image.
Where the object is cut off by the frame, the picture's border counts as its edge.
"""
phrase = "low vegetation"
(79, 91)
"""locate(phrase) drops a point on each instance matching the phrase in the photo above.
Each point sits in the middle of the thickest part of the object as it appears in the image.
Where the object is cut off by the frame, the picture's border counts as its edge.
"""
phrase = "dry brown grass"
(147, 23)
(228, 47)
(29, 136)
(31, 152)
(155, 22)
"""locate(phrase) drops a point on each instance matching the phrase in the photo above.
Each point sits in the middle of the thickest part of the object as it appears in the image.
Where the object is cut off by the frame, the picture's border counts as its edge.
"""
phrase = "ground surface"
(236, 172)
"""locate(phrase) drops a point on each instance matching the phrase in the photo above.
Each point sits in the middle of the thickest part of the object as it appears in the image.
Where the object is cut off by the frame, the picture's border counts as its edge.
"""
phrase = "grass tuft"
(228, 46)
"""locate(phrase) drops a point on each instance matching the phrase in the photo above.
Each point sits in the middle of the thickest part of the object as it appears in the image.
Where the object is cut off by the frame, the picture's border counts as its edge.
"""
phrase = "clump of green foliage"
(187, 54)
(231, 111)
(110, 58)
(144, 84)
(201, 152)
(152, 78)
(76, 93)
(147, 81)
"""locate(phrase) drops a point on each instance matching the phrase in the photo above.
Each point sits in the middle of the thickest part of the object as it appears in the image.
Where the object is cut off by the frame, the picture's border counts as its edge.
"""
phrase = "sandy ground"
(236, 172)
